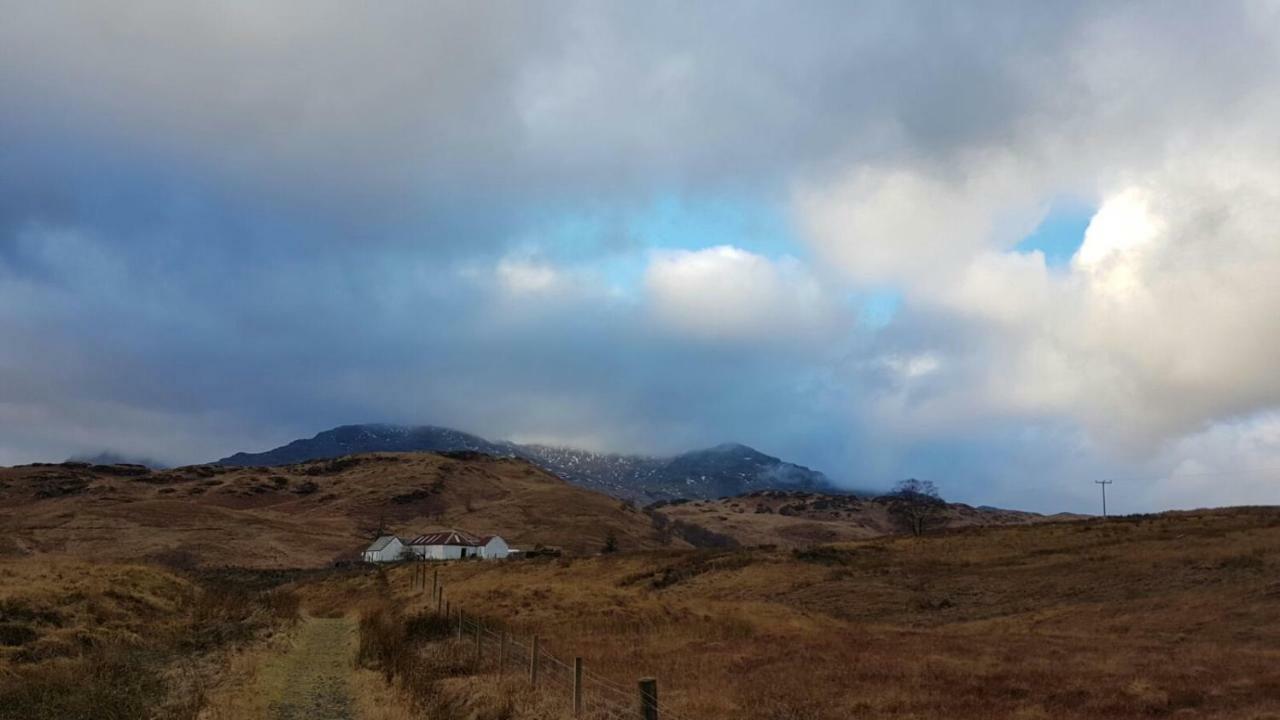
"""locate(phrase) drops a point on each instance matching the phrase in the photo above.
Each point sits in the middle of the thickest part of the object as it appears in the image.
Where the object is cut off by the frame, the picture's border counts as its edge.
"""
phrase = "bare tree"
(916, 507)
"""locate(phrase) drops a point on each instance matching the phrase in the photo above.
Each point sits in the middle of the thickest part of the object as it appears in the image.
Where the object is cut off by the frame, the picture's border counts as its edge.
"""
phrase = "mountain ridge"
(723, 470)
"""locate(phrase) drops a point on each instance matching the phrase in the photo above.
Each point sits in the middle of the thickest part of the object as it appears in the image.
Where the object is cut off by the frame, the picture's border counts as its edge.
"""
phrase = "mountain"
(352, 439)
(724, 470)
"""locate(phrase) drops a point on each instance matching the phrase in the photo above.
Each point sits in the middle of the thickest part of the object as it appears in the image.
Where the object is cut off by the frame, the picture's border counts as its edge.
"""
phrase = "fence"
(583, 693)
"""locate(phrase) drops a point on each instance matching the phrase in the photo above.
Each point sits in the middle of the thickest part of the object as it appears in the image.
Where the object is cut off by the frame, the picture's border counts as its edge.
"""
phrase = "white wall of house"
(438, 552)
(495, 549)
(390, 553)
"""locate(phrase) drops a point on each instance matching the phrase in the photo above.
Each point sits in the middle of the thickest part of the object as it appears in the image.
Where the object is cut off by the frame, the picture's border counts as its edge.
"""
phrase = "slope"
(306, 514)
(1175, 615)
(798, 519)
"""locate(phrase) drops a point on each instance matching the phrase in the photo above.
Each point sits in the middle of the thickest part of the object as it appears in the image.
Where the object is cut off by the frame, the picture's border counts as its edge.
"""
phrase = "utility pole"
(1104, 484)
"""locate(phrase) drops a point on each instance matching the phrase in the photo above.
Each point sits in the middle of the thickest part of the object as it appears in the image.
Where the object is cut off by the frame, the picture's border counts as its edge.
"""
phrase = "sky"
(1008, 247)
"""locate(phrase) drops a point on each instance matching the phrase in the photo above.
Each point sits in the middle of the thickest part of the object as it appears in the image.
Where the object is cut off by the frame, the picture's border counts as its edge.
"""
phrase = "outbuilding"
(386, 548)
(494, 547)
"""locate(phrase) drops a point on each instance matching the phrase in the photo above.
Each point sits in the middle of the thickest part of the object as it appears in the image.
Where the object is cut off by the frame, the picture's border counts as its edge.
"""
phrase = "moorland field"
(118, 600)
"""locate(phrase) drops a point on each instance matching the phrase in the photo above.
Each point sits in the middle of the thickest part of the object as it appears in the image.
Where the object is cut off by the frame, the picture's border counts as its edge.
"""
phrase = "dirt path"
(314, 677)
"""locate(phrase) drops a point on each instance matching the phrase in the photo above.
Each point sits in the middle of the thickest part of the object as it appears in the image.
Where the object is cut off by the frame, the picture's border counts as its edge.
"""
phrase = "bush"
(14, 634)
(228, 613)
(696, 535)
(112, 683)
(394, 645)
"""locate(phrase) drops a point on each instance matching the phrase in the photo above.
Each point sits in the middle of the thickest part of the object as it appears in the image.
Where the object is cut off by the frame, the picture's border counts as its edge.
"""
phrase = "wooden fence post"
(435, 581)
(533, 661)
(459, 623)
(502, 653)
(577, 687)
(648, 699)
(478, 643)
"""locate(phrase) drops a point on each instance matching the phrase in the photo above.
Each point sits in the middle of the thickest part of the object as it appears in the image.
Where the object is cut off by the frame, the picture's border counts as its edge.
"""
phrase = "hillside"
(304, 514)
(798, 519)
(729, 469)
(1175, 615)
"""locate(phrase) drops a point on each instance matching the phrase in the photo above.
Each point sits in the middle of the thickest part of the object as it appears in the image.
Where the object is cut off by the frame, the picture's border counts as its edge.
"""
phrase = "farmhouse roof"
(450, 537)
(381, 543)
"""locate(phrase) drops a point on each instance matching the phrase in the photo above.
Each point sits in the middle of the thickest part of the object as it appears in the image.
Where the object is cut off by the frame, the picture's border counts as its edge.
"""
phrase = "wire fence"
(565, 683)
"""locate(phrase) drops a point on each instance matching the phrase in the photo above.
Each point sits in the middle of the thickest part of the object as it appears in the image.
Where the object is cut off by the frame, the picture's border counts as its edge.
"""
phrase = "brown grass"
(1170, 616)
(121, 641)
(241, 690)
(304, 515)
(800, 519)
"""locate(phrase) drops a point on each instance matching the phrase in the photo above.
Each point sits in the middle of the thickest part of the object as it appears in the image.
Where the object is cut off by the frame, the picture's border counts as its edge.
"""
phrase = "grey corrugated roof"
(451, 537)
(381, 543)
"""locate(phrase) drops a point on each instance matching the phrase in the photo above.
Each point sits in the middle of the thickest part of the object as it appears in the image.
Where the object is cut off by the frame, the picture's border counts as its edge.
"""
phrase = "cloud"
(222, 226)
(1232, 462)
(907, 226)
(724, 293)
(527, 276)
(1160, 327)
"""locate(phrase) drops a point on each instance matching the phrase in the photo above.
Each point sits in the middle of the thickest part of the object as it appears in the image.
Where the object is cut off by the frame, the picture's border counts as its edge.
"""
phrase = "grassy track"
(312, 680)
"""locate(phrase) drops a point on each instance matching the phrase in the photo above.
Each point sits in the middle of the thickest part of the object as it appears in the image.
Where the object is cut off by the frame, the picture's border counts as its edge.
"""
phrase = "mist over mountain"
(108, 457)
(720, 471)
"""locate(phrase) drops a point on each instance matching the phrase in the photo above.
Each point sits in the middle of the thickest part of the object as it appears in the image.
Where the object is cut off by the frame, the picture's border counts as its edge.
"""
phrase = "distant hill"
(721, 471)
(303, 514)
(310, 513)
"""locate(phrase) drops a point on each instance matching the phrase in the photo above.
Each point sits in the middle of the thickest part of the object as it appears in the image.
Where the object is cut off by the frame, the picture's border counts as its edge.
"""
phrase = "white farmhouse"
(386, 548)
(456, 544)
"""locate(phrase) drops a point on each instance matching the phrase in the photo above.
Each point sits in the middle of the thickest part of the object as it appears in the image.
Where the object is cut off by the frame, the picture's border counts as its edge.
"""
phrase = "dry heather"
(310, 514)
(304, 515)
(798, 519)
(1166, 616)
(83, 640)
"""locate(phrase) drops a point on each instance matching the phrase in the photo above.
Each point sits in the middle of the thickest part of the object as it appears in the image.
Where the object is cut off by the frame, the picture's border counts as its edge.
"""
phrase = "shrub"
(13, 634)
(112, 683)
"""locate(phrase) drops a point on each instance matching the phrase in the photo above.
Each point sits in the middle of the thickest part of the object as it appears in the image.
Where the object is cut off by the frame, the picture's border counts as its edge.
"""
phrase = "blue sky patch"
(879, 307)
(676, 222)
(1061, 232)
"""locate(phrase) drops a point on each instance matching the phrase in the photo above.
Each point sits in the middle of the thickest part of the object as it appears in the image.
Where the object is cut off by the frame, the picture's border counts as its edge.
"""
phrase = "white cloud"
(1167, 319)
(1117, 241)
(525, 276)
(727, 293)
(1229, 463)
(913, 366)
(908, 226)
